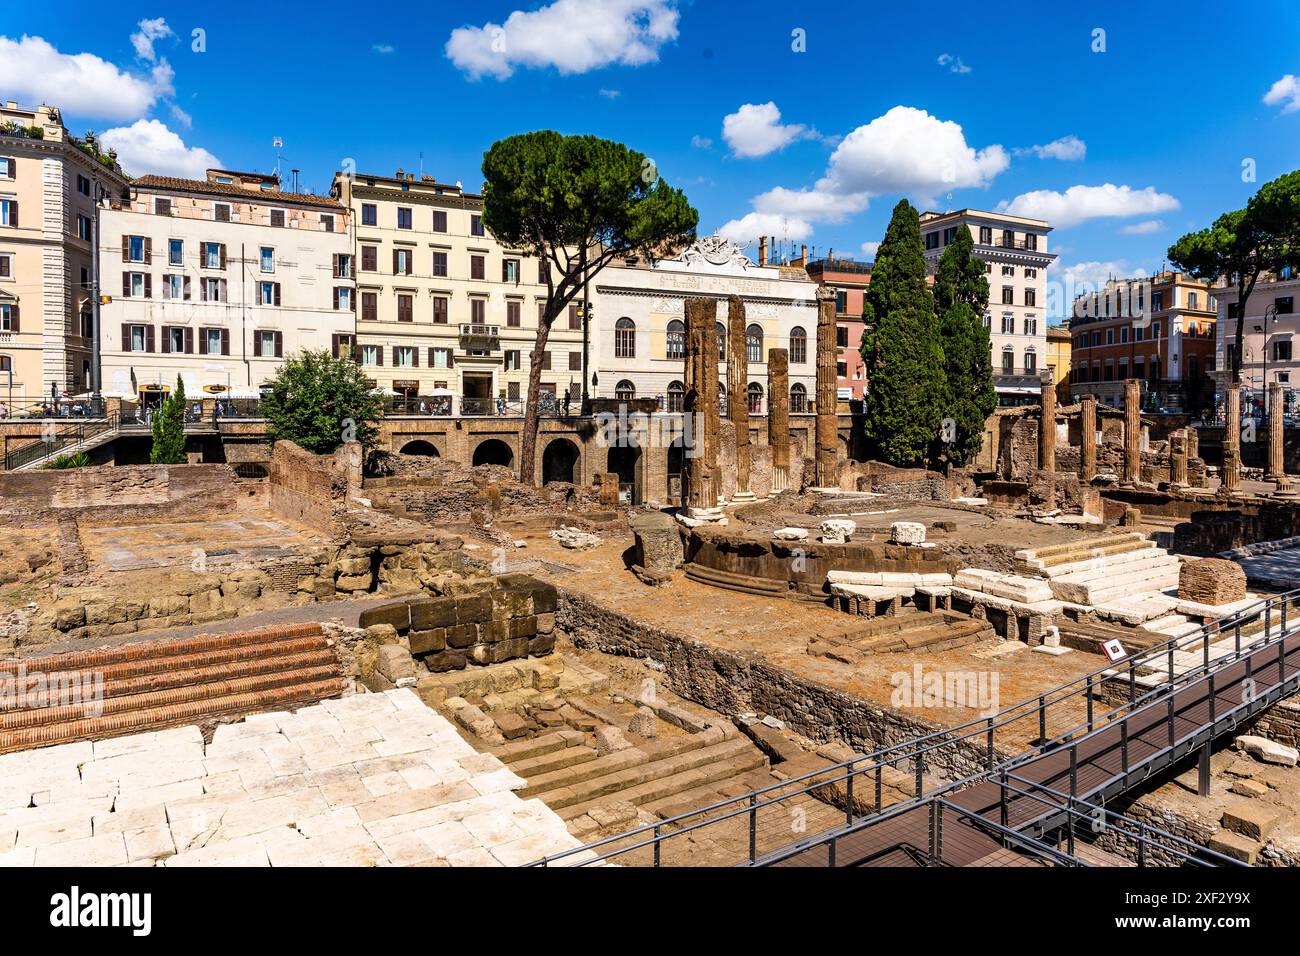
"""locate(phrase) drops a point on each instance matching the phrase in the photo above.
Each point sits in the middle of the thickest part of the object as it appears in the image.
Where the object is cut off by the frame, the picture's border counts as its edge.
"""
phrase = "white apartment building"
(444, 307)
(1272, 326)
(218, 280)
(640, 324)
(1015, 256)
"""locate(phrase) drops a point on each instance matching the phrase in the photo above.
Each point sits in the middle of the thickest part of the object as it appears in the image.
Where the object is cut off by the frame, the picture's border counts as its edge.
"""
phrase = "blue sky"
(812, 135)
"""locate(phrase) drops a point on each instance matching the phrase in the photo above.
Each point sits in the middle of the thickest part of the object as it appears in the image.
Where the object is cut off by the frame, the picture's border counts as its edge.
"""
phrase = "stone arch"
(493, 451)
(560, 461)
(625, 461)
(420, 446)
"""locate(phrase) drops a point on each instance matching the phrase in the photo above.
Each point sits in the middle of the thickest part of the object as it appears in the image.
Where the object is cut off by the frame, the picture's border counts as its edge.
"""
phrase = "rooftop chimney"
(803, 253)
(762, 250)
(400, 174)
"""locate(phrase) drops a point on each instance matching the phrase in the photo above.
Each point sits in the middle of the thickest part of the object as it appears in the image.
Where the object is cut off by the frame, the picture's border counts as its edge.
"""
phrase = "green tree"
(961, 296)
(904, 403)
(577, 203)
(168, 428)
(319, 402)
(1242, 245)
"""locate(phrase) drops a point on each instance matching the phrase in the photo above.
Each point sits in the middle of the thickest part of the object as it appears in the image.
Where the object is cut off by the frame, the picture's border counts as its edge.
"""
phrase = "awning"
(1017, 390)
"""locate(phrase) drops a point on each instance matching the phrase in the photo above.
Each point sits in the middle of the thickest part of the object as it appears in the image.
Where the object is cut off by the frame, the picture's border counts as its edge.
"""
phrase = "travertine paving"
(367, 780)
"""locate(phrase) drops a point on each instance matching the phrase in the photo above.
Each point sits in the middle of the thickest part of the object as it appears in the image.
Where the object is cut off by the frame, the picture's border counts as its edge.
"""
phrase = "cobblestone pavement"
(366, 780)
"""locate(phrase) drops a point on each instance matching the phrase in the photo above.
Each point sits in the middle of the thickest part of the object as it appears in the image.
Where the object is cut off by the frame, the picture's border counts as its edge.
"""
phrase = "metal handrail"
(914, 751)
(47, 447)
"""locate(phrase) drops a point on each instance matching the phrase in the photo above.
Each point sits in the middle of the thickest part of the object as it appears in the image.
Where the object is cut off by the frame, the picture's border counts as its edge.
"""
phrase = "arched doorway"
(676, 465)
(559, 461)
(624, 460)
(493, 452)
(420, 447)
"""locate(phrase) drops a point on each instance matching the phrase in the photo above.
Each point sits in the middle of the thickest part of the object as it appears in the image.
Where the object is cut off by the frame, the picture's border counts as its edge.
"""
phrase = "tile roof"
(268, 197)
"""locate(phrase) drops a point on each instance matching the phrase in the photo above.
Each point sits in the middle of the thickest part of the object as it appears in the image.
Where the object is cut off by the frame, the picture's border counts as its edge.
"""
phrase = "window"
(8, 320)
(754, 343)
(755, 396)
(343, 301)
(1155, 330)
(404, 356)
(546, 360)
(1008, 324)
(175, 252)
(842, 336)
(440, 309)
(343, 347)
(799, 345)
(1031, 325)
(1192, 300)
(1110, 336)
(221, 212)
(214, 255)
(476, 225)
(369, 214)
(625, 391)
(1031, 273)
(342, 266)
(575, 361)
(83, 227)
(510, 270)
(676, 339)
(440, 357)
(8, 212)
(986, 235)
(1008, 361)
(369, 259)
(932, 240)
(676, 396)
(405, 313)
(1008, 238)
(327, 221)
(7, 268)
(8, 167)
(401, 262)
(625, 338)
(1031, 360)
(268, 293)
(137, 338)
(512, 313)
(478, 311)
(370, 355)
(277, 217)
(369, 307)
(440, 263)
(1123, 335)
(1031, 297)
(1008, 270)
(136, 285)
(798, 398)
(477, 267)
(214, 342)
(841, 301)
(1031, 240)
(575, 320)
(1282, 350)
(403, 217)
(1157, 301)
(267, 259)
(161, 206)
(214, 290)
(174, 339)
(439, 220)
(1008, 295)
(1283, 304)
(512, 360)
(174, 287)
(722, 342)
(135, 248)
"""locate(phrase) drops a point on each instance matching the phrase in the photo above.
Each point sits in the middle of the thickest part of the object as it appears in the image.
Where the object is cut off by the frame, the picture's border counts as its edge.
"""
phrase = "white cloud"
(148, 146)
(755, 130)
(1143, 228)
(1067, 148)
(574, 36)
(610, 94)
(33, 70)
(815, 204)
(1081, 203)
(383, 48)
(701, 142)
(749, 227)
(953, 63)
(1285, 91)
(149, 31)
(869, 249)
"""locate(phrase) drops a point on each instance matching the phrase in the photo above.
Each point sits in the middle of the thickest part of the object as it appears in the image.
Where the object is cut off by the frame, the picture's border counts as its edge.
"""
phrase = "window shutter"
(126, 337)
(221, 283)
(223, 255)
(432, 363)
(334, 340)
(394, 262)
(148, 285)
(257, 344)
(352, 300)
(13, 213)
(148, 338)
(415, 358)
(167, 339)
(276, 289)
(203, 342)
(336, 299)
(186, 283)
(379, 355)
(225, 341)
(279, 345)
(126, 248)
(451, 357)
(166, 287)
(13, 318)
(126, 285)
(148, 250)
(189, 341)
(336, 275)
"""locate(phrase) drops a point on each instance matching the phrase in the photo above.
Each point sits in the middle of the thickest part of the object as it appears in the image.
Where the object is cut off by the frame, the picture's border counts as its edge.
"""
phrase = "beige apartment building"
(443, 308)
(1272, 326)
(218, 280)
(1015, 256)
(49, 185)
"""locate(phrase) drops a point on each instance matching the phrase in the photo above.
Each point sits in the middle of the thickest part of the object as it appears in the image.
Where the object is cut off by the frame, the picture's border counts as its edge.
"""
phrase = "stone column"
(1132, 431)
(1088, 438)
(1178, 458)
(827, 473)
(778, 417)
(738, 393)
(1047, 423)
(1230, 478)
(1276, 434)
(700, 409)
(1193, 443)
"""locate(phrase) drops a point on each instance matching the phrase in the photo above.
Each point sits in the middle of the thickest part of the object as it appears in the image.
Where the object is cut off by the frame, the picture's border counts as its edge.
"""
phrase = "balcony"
(1012, 377)
(479, 335)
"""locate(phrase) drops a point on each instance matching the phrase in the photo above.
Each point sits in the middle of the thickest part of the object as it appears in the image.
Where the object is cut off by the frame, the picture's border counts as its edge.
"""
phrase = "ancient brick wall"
(30, 491)
(314, 490)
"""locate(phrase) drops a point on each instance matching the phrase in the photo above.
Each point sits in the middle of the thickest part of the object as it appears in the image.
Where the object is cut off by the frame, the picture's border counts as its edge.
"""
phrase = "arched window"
(722, 400)
(722, 342)
(754, 343)
(755, 392)
(798, 346)
(1008, 360)
(798, 398)
(676, 396)
(676, 339)
(625, 338)
(625, 391)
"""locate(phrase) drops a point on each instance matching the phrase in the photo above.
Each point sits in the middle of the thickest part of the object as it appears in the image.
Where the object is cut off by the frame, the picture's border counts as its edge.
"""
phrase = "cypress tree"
(904, 403)
(961, 296)
(169, 429)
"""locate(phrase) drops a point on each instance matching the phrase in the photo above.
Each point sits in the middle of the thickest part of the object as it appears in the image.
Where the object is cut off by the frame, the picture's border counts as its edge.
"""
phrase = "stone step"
(1174, 625)
(537, 746)
(1125, 563)
(1094, 589)
(1041, 559)
(684, 790)
(531, 767)
(660, 778)
(1153, 584)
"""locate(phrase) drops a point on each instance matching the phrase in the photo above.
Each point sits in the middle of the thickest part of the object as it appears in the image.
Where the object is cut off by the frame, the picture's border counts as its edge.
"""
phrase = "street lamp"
(1270, 315)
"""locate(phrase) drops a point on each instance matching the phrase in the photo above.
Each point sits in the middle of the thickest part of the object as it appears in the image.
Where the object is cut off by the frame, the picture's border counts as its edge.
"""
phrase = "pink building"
(848, 279)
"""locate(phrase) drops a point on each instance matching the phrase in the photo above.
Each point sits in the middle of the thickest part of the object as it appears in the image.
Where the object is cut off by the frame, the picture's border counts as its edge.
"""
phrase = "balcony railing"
(475, 330)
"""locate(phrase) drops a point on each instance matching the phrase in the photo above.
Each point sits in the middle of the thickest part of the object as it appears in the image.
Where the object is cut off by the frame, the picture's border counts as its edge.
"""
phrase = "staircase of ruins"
(1101, 570)
(145, 686)
(930, 631)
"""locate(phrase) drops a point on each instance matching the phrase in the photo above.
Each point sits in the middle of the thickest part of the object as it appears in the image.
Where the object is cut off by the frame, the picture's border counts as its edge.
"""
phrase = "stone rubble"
(575, 539)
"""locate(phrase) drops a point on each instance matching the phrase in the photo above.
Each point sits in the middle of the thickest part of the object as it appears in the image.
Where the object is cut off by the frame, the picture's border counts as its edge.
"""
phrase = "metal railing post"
(920, 769)
(1002, 800)
(658, 854)
(1132, 683)
(753, 827)
(1142, 844)
(1042, 721)
(1123, 738)
(1171, 719)
(990, 748)
(848, 787)
(934, 833)
(1074, 770)
(1212, 696)
(880, 769)
(1089, 695)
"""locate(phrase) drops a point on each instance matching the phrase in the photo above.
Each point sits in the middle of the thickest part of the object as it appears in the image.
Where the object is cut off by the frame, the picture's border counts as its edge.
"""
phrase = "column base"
(742, 497)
